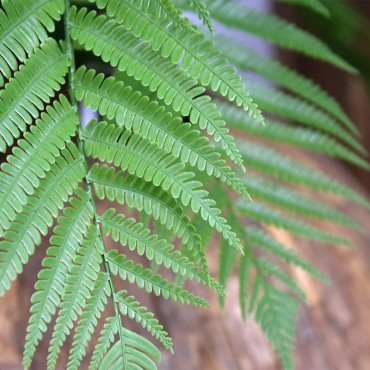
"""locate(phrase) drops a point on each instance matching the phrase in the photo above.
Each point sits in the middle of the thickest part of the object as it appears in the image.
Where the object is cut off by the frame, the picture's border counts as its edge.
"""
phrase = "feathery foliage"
(161, 152)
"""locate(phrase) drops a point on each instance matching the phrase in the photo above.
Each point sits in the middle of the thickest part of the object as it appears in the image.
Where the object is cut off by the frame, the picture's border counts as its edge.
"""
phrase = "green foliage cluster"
(161, 146)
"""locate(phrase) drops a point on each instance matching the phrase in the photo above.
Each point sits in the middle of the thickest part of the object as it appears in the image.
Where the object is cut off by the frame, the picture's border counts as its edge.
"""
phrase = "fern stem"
(79, 139)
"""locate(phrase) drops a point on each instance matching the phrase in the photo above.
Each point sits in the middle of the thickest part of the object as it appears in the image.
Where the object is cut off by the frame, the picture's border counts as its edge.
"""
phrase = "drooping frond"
(315, 5)
(196, 54)
(68, 235)
(38, 214)
(83, 273)
(271, 28)
(299, 136)
(201, 9)
(138, 156)
(133, 310)
(144, 196)
(293, 201)
(271, 269)
(141, 115)
(175, 87)
(89, 318)
(298, 110)
(249, 60)
(277, 312)
(32, 158)
(271, 216)
(23, 26)
(263, 240)
(275, 164)
(145, 279)
(245, 267)
(227, 259)
(107, 334)
(138, 353)
(25, 95)
(131, 233)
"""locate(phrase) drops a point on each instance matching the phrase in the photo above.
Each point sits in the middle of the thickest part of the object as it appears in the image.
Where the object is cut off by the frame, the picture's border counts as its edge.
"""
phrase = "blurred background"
(334, 328)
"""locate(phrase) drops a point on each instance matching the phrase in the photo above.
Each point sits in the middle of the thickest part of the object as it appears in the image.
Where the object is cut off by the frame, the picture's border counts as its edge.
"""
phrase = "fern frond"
(131, 233)
(175, 87)
(139, 353)
(277, 312)
(196, 54)
(299, 136)
(203, 14)
(32, 158)
(298, 110)
(227, 259)
(145, 279)
(86, 325)
(263, 240)
(273, 29)
(82, 275)
(245, 267)
(144, 196)
(270, 216)
(293, 201)
(248, 59)
(269, 268)
(68, 234)
(32, 86)
(141, 115)
(138, 156)
(23, 26)
(38, 214)
(315, 5)
(131, 308)
(106, 338)
(275, 164)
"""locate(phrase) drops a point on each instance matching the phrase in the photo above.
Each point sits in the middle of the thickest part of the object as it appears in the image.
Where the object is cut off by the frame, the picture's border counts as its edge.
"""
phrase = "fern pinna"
(160, 144)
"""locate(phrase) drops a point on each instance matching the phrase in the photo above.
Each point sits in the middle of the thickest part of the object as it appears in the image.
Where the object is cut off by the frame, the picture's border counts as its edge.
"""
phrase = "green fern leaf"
(249, 60)
(141, 115)
(23, 26)
(273, 29)
(245, 267)
(299, 136)
(270, 269)
(277, 312)
(32, 158)
(266, 242)
(203, 13)
(195, 53)
(293, 201)
(68, 234)
(275, 164)
(106, 338)
(145, 279)
(270, 216)
(33, 85)
(138, 156)
(131, 308)
(79, 285)
(300, 111)
(86, 325)
(131, 233)
(144, 196)
(138, 353)
(171, 84)
(38, 214)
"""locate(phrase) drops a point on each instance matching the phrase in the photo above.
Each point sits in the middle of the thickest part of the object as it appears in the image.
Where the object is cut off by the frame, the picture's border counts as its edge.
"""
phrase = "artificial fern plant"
(166, 94)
